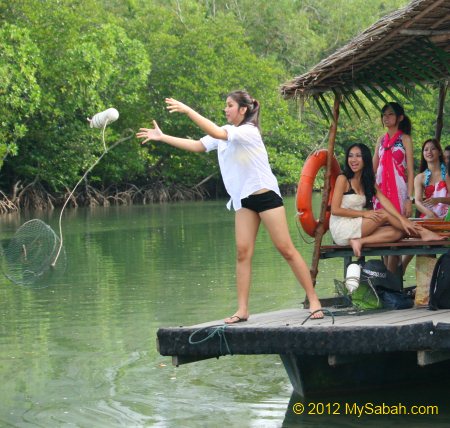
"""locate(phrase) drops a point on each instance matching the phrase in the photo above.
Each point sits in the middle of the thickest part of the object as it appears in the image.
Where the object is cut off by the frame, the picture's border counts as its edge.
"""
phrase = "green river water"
(81, 352)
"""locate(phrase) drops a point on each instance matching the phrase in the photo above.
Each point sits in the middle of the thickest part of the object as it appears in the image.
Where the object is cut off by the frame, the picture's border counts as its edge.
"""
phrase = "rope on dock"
(218, 330)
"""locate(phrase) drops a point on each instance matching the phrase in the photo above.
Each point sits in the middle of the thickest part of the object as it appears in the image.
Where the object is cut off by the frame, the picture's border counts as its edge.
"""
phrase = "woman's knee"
(399, 234)
(288, 251)
(384, 215)
(244, 252)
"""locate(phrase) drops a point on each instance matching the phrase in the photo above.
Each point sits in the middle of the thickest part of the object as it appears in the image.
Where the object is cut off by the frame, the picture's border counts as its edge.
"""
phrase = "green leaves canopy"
(64, 61)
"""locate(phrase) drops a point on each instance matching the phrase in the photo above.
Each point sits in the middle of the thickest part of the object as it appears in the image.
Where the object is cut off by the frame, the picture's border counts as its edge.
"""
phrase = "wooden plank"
(425, 358)
(327, 252)
(295, 317)
(178, 360)
(401, 243)
(336, 360)
(304, 340)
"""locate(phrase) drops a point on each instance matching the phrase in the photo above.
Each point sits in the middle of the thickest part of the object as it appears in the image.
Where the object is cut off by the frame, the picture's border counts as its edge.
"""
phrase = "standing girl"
(253, 188)
(393, 160)
(432, 184)
(393, 163)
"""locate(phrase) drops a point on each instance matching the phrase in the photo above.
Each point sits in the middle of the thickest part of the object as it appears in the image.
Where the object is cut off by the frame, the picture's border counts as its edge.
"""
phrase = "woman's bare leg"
(405, 262)
(428, 235)
(246, 228)
(382, 234)
(275, 222)
(373, 231)
(422, 232)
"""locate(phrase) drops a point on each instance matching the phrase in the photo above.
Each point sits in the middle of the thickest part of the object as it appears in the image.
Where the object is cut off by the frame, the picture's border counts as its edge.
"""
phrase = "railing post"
(440, 110)
(326, 190)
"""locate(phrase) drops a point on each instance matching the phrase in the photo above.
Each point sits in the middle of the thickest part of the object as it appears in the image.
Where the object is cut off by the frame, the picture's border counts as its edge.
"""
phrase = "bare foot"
(234, 319)
(314, 305)
(356, 246)
(429, 235)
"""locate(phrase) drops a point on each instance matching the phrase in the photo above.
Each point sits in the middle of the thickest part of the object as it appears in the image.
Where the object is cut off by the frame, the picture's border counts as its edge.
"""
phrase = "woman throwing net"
(249, 181)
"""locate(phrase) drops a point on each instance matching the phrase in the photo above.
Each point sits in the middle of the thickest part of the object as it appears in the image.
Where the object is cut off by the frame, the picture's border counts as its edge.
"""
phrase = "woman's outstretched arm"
(205, 124)
(155, 134)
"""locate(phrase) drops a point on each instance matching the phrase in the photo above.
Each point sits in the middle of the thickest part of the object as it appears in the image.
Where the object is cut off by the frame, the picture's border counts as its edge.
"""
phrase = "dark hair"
(244, 99)
(423, 163)
(367, 176)
(448, 165)
(405, 124)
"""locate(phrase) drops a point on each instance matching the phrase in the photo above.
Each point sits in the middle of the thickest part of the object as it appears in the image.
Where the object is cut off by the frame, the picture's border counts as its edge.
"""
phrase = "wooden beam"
(337, 360)
(320, 231)
(408, 32)
(440, 110)
(178, 360)
(425, 358)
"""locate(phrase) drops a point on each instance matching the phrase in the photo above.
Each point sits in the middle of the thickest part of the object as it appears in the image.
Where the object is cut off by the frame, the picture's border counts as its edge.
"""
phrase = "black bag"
(395, 299)
(440, 284)
(376, 271)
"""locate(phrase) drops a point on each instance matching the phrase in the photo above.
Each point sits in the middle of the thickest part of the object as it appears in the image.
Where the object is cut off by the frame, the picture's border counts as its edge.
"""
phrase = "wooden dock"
(347, 350)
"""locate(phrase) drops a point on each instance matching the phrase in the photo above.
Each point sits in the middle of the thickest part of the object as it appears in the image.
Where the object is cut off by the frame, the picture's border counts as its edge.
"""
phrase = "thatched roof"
(407, 47)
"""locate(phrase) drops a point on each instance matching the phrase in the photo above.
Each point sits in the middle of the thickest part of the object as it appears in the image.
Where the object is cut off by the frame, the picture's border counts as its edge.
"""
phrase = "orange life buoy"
(313, 163)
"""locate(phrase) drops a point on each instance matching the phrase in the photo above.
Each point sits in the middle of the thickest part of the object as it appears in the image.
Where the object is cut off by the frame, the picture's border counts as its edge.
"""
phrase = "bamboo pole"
(440, 110)
(326, 190)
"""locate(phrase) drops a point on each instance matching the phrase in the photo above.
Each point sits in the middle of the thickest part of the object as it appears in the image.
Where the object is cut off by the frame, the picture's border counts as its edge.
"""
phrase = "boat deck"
(340, 332)
(371, 348)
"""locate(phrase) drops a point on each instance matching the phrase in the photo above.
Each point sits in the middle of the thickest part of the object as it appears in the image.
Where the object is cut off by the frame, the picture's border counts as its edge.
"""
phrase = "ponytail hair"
(243, 99)
(405, 124)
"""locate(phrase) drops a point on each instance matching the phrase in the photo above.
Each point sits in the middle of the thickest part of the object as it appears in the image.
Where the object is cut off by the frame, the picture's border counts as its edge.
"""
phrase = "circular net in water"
(29, 258)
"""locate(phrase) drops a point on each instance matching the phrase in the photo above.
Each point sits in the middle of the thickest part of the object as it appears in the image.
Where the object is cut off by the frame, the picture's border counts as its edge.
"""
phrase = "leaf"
(347, 97)
(322, 97)
(322, 110)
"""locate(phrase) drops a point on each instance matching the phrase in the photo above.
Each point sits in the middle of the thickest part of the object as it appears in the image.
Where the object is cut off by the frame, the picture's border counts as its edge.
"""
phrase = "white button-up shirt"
(243, 162)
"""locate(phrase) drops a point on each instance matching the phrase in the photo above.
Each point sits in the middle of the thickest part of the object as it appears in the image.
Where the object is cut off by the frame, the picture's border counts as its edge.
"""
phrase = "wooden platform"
(400, 248)
(346, 351)
(282, 332)
(397, 343)
(403, 247)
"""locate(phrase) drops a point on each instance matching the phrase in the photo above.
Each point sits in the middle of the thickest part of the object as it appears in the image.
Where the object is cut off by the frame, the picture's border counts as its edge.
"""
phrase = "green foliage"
(19, 91)
(61, 62)
(85, 72)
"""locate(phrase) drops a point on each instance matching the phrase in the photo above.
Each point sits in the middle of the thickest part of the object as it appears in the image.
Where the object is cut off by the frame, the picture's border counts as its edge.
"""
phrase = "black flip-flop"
(238, 319)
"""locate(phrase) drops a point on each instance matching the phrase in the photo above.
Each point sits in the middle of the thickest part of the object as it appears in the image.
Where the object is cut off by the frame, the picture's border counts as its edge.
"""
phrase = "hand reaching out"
(176, 106)
(150, 133)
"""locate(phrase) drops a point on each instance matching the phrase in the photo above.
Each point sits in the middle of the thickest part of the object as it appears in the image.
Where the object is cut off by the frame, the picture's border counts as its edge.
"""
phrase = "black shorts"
(262, 201)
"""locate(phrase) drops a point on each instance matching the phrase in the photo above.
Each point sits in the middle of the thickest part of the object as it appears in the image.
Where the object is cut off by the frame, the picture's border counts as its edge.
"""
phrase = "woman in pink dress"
(432, 184)
(393, 164)
(393, 161)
